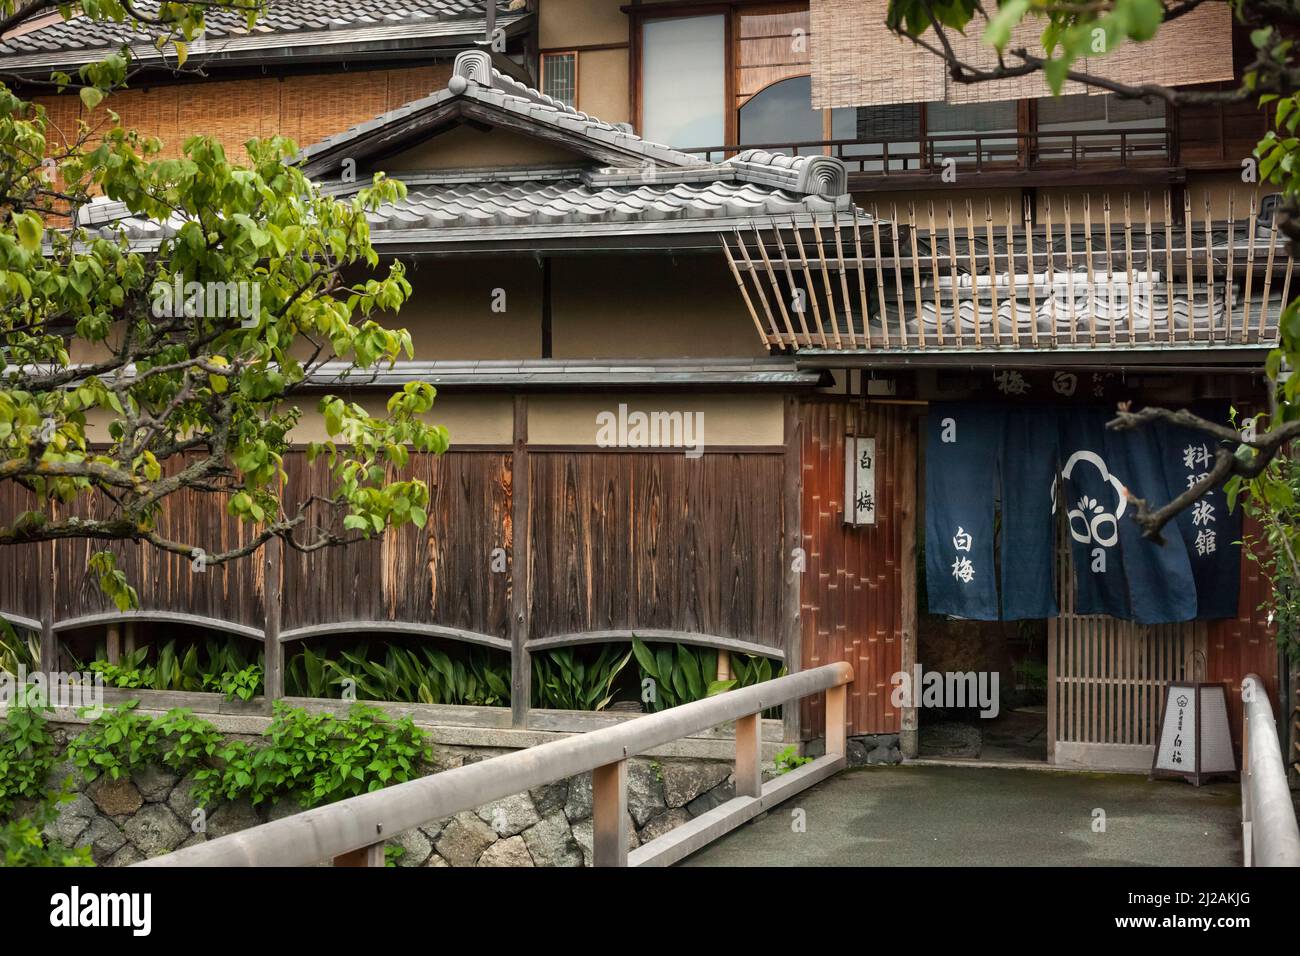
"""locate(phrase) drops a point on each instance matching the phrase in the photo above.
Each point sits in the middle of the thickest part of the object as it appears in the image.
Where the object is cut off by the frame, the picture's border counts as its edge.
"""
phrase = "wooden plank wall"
(164, 582)
(441, 574)
(20, 586)
(856, 583)
(657, 540)
(620, 540)
(1245, 644)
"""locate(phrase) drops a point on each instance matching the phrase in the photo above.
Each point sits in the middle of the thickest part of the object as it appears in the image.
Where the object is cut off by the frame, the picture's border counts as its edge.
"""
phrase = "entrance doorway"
(1106, 679)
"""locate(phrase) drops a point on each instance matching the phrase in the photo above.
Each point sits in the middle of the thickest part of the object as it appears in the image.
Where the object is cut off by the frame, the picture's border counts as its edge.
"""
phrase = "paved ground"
(959, 816)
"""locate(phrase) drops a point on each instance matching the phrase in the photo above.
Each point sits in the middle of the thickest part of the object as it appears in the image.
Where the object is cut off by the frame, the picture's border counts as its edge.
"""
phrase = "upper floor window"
(782, 115)
(560, 77)
(683, 80)
(725, 77)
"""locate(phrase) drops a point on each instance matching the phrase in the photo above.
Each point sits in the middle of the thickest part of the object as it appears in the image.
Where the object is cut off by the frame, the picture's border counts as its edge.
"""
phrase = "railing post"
(609, 814)
(272, 649)
(372, 855)
(836, 715)
(749, 754)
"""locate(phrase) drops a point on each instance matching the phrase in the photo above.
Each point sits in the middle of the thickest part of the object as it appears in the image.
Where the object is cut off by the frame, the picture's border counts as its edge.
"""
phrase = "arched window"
(781, 114)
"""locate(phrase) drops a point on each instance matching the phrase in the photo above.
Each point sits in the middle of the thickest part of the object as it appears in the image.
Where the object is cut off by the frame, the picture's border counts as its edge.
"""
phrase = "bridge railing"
(352, 832)
(1269, 834)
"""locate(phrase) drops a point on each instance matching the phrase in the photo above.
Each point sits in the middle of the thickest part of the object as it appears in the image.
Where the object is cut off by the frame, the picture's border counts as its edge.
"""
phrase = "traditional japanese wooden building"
(688, 385)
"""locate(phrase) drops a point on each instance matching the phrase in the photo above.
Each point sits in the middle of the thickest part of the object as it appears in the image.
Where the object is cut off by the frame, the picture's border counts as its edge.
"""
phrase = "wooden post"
(806, 339)
(609, 814)
(1250, 271)
(749, 756)
(898, 274)
(916, 281)
(992, 260)
(776, 288)
(952, 275)
(744, 292)
(836, 714)
(520, 660)
(1229, 280)
(908, 740)
(934, 272)
(826, 281)
(974, 273)
(372, 855)
(792, 576)
(1268, 282)
(1209, 269)
(113, 643)
(809, 291)
(49, 645)
(272, 649)
(878, 254)
(1051, 262)
(1169, 264)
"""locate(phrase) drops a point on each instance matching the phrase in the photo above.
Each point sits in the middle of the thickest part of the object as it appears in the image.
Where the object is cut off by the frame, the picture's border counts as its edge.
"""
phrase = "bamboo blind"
(857, 61)
(973, 50)
(1195, 48)
(1113, 271)
(773, 45)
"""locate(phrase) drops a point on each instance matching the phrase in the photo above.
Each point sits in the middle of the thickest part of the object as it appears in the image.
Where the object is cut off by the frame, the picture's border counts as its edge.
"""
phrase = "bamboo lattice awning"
(969, 279)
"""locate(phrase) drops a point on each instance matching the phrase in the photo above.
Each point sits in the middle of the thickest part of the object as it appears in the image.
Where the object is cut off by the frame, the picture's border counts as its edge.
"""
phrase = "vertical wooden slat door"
(1106, 680)
(858, 591)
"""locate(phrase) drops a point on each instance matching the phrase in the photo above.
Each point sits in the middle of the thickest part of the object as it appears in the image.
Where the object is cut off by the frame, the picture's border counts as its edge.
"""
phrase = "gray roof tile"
(69, 41)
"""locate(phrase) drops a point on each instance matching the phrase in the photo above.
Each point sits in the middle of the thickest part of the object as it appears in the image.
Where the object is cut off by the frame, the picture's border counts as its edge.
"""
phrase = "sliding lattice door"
(1106, 680)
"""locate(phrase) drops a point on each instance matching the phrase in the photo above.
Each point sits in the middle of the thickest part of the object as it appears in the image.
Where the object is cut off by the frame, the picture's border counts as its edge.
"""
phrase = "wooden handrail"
(352, 832)
(1269, 834)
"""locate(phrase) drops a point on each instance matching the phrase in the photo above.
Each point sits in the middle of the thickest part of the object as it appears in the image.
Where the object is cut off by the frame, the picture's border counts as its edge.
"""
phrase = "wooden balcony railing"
(981, 152)
(959, 278)
(352, 832)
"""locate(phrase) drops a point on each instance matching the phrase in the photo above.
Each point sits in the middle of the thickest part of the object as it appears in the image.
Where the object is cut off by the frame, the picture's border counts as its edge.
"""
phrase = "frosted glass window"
(683, 81)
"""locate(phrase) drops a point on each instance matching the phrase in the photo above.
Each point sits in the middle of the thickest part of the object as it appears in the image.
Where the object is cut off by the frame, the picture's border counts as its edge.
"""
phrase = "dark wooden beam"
(273, 649)
(1093, 176)
(521, 668)
(792, 533)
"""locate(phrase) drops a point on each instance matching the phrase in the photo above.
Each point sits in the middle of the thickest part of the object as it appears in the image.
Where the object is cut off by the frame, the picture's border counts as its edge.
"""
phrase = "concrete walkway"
(957, 816)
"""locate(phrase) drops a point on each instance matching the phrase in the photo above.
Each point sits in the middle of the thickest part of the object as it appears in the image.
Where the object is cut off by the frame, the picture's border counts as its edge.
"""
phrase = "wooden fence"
(523, 551)
(1124, 273)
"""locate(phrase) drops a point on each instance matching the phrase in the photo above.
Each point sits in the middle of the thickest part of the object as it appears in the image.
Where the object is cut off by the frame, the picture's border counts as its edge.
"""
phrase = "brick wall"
(304, 108)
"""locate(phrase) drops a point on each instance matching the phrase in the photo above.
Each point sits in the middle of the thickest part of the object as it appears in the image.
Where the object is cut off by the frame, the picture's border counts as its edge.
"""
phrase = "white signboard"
(1195, 740)
(860, 481)
(1176, 752)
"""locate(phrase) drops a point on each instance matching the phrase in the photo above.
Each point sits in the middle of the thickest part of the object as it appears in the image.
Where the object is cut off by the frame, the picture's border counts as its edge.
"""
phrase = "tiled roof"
(299, 23)
(476, 82)
(487, 210)
(648, 189)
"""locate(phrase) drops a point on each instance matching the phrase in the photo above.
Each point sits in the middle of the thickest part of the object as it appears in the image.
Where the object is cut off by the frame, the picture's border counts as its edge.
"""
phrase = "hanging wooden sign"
(859, 480)
(1194, 741)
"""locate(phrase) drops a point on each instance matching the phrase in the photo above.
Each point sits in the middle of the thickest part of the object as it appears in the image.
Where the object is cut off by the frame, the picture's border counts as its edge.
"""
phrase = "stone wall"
(125, 821)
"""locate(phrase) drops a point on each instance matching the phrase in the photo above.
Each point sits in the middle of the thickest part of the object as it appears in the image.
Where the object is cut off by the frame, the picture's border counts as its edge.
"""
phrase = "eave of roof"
(281, 46)
(769, 372)
(619, 192)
